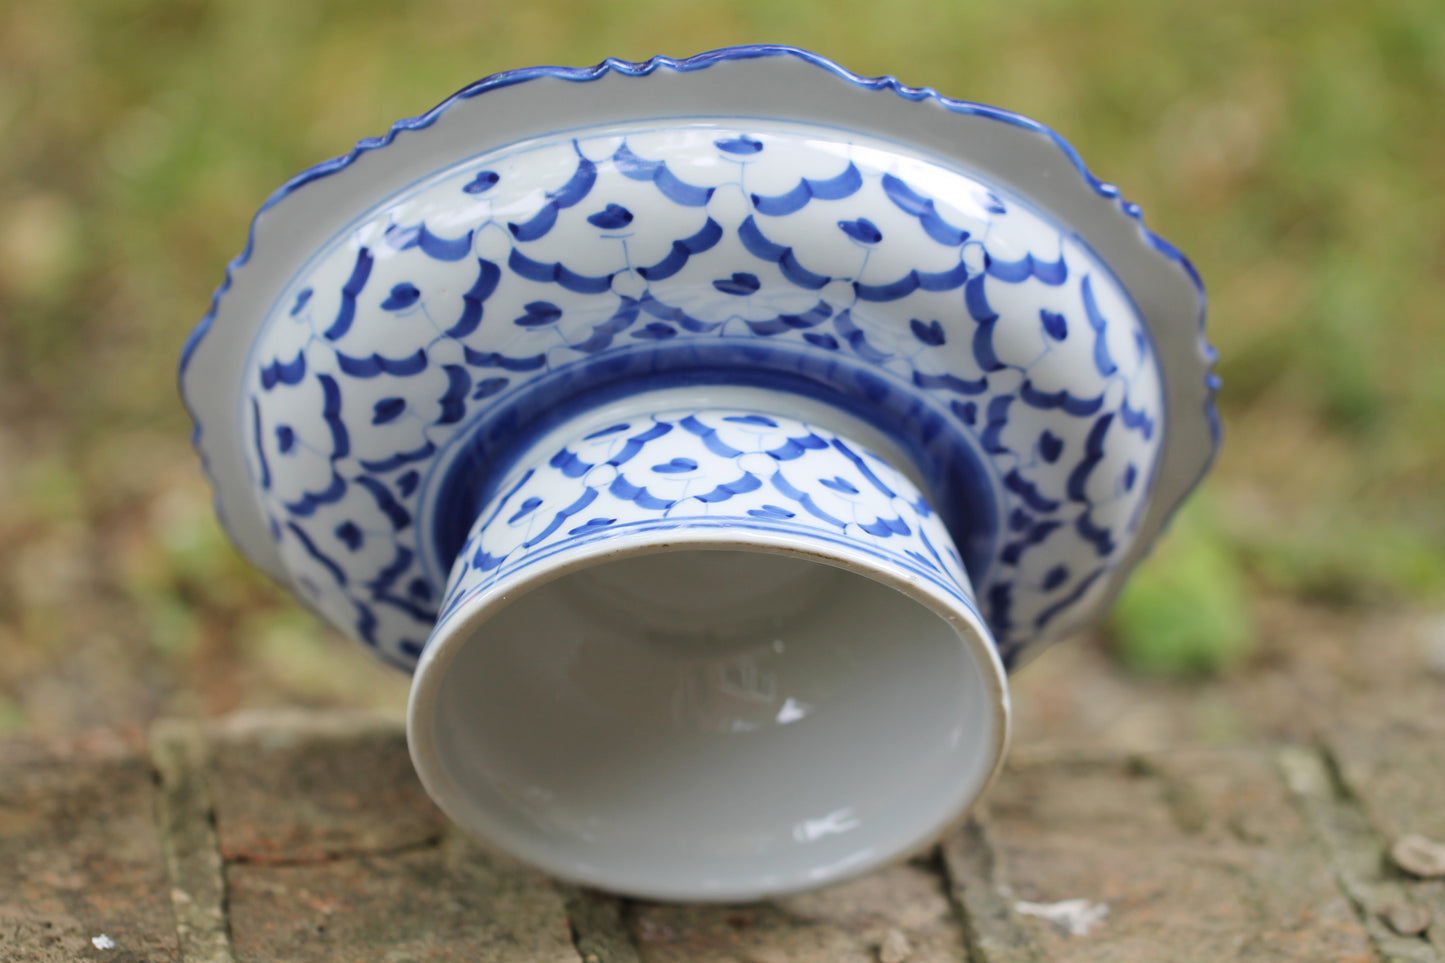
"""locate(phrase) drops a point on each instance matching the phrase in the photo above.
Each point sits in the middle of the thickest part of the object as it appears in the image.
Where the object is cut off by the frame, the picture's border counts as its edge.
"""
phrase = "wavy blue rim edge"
(628, 68)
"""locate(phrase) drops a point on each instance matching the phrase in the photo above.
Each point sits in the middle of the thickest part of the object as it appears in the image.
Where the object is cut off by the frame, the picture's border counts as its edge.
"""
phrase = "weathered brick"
(434, 904)
(299, 787)
(903, 906)
(79, 856)
(1198, 855)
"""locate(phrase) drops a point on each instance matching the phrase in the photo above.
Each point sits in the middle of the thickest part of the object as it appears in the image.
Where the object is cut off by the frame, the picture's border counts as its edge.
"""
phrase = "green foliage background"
(1294, 149)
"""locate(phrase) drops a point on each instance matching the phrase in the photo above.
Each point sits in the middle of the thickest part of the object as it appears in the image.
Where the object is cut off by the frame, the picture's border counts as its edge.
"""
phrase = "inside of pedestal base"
(704, 724)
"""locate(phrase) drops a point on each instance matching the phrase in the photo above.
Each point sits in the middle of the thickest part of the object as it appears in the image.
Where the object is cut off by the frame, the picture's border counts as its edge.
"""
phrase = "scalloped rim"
(1187, 369)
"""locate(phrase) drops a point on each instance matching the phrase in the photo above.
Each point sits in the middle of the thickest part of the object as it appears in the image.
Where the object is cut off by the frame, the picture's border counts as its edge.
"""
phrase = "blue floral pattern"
(398, 346)
(734, 471)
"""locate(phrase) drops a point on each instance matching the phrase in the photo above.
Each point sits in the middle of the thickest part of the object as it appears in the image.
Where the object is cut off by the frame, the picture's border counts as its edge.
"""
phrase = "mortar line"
(981, 897)
(1355, 850)
(185, 821)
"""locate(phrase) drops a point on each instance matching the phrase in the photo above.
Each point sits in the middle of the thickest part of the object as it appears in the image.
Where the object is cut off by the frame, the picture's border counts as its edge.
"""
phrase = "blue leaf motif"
(302, 297)
(387, 409)
(350, 535)
(538, 313)
(771, 511)
(676, 466)
(483, 182)
(741, 144)
(611, 218)
(285, 438)
(526, 508)
(406, 483)
(656, 331)
(741, 283)
(1054, 324)
(1056, 576)
(488, 387)
(839, 484)
(1050, 446)
(930, 334)
(591, 525)
(826, 341)
(403, 295)
(862, 229)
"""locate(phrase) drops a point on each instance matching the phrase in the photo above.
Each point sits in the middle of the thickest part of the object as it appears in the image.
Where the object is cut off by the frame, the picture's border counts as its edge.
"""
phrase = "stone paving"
(287, 836)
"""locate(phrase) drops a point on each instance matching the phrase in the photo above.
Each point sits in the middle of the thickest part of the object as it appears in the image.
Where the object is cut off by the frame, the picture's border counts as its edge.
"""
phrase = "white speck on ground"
(1075, 917)
(102, 942)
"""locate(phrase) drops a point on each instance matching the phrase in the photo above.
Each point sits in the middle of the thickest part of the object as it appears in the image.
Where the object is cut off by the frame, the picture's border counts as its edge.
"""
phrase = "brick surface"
(80, 857)
(298, 787)
(903, 908)
(447, 902)
(1396, 769)
(1198, 855)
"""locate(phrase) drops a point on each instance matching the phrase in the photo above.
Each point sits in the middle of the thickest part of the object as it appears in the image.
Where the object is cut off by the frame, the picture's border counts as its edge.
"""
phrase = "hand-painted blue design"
(815, 315)
(831, 189)
(1096, 320)
(663, 179)
(350, 534)
(1093, 454)
(557, 273)
(655, 331)
(1045, 400)
(538, 313)
(483, 182)
(771, 511)
(718, 303)
(402, 296)
(742, 145)
(568, 195)
(387, 409)
(1055, 326)
(930, 334)
(760, 247)
(741, 283)
(306, 505)
(856, 339)
(839, 484)
(613, 217)
(914, 280)
(990, 202)
(1051, 446)
(951, 383)
(675, 466)
(280, 372)
(488, 387)
(302, 297)
(285, 439)
(488, 274)
(861, 229)
(354, 285)
(709, 234)
(454, 401)
(523, 510)
(1052, 273)
(400, 238)
(916, 205)
(386, 501)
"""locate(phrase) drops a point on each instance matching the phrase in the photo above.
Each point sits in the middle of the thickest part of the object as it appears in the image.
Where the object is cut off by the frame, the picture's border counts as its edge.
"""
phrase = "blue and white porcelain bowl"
(708, 436)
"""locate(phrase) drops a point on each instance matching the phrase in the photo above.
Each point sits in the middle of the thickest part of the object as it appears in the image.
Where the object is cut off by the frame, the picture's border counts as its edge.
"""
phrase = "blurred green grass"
(1294, 150)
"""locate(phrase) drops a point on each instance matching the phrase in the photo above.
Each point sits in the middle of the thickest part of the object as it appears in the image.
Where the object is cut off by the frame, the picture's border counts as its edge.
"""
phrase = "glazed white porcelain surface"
(409, 395)
(707, 654)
